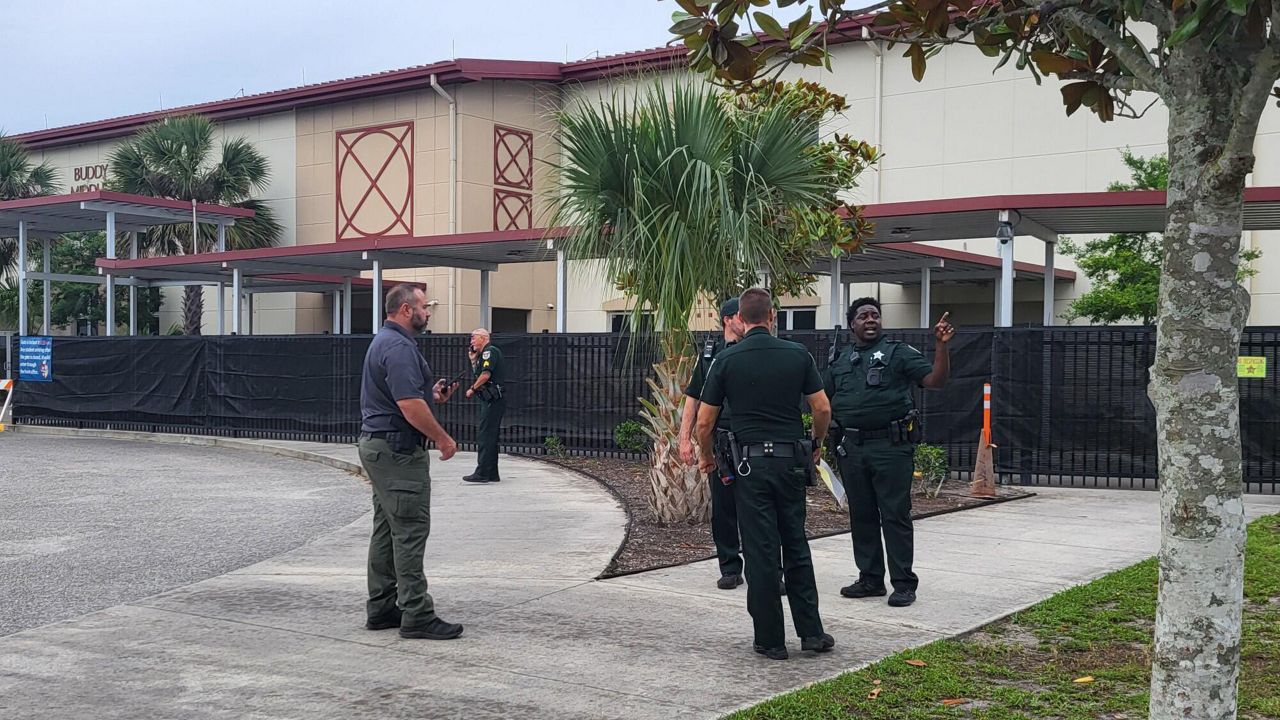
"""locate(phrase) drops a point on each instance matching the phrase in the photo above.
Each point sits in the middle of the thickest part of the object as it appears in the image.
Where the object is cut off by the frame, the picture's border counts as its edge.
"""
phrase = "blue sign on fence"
(35, 359)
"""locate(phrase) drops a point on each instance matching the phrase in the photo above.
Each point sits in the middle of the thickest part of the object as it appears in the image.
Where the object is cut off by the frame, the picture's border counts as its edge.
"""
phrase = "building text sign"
(87, 178)
(1251, 367)
(35, 359)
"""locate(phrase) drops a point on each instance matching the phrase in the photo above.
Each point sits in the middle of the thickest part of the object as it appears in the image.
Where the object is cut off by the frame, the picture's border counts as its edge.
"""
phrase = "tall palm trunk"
(679, 492)
(192, 309)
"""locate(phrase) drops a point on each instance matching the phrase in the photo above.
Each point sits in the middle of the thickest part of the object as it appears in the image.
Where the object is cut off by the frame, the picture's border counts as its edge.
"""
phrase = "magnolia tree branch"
(1238, 150)
(1134, 61)
(1123, 83)
(1156, 13)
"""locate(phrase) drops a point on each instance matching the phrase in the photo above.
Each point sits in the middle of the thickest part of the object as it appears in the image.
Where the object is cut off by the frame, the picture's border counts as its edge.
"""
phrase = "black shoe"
(902, 598)
(862, 589)
(477, 479)
(435, 630)
(822, 643)
(729, 582)
(778, 653)
(384, 622)
(470, 478)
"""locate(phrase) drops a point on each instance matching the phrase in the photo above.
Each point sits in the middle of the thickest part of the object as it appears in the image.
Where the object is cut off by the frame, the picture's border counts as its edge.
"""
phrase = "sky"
(72, 61)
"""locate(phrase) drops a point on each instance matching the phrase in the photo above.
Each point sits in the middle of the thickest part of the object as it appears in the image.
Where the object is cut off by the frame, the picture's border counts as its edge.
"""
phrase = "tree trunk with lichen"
(1202, 313)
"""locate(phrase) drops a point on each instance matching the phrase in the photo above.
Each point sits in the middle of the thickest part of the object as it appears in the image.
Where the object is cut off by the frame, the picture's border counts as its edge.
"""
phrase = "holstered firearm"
(722, 444)
(835, 440)
(908, 429)
(805, 447)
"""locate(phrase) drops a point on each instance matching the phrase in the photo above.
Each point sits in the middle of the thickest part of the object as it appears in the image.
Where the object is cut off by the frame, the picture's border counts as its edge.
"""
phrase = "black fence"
(1069, 404)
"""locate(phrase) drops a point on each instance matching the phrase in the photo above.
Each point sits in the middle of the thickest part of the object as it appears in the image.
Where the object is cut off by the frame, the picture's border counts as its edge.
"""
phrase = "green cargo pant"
(771, 513)
(401, 523)
(877, 479)
(487, 437)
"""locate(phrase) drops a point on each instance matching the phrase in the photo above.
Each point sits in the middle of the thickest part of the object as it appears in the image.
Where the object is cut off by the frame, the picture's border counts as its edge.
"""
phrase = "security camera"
(1004, 232)
(551, 306)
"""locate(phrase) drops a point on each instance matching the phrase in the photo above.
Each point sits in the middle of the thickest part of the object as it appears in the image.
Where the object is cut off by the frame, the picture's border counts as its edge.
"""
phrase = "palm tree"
(175, 158)
(684, 193)
(19, 178)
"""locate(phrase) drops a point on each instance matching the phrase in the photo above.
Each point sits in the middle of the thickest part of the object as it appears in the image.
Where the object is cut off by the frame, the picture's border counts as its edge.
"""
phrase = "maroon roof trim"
(1043, 201)
(109, 196)
(452, 72)
(345, 246)
(962, 256)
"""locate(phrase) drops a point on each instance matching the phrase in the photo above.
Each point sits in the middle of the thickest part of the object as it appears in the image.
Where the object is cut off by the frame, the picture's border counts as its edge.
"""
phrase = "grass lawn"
(1082, 654)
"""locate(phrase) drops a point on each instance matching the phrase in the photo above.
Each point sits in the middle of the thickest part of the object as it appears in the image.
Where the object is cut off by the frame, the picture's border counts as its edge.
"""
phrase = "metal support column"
(562, 293)
(377, 296)
(111, 279)
(837, 297)
(133, 289)
(22, 278)
(996, 318)
(222, 237)
(337, 312)
(1049, 252)
(485, 320)
(47, 290)
(237, 287)
(1006, 274)
(248, 306)
(926, 292)
(346, 307)
(222, 309)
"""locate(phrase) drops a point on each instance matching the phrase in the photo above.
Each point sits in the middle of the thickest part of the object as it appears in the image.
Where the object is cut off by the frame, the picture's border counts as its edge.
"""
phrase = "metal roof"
(1048, 215)
(893, 252)
(53, 215)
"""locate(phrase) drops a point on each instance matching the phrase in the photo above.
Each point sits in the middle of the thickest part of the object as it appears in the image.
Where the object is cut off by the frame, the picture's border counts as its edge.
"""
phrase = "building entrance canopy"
(894, 252)
(48, 218)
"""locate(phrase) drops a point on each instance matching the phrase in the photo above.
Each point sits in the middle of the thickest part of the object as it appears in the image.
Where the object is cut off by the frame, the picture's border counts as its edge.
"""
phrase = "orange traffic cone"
(984, 472)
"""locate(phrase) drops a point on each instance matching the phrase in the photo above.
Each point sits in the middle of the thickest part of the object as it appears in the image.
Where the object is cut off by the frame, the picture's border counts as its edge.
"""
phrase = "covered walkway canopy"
(48, 218)
(893, 253)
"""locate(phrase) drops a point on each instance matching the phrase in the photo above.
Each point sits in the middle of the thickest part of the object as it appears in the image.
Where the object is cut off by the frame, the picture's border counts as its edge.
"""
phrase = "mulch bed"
(650, 544)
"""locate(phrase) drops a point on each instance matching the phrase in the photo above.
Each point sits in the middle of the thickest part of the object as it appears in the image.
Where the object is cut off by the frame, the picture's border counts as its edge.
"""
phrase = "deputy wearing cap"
(724, 514)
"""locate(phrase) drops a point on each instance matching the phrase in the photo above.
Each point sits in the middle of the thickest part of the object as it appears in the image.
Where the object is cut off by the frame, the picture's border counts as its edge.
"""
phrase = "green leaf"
(1238, 7)
(770, 26)
(800, 39)
(1190, 27)
(687, 26)
(691, 7)
(1007, 54)
(800, 23)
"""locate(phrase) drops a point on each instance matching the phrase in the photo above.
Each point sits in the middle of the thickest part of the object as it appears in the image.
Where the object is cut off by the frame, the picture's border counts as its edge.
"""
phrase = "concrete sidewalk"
(514, 562)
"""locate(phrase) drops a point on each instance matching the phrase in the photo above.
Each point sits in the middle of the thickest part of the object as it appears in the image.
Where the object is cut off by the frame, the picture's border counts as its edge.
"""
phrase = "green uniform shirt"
(490, 361)
(694, 390)
(854, 404)
(764, 378)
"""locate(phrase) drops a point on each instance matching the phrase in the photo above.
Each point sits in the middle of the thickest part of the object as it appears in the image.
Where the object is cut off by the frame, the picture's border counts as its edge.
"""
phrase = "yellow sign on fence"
(1251, 367)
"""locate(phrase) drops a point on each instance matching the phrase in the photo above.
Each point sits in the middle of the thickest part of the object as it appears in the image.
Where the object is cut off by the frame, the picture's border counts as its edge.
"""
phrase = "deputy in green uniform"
(876, 428)
(489, 368)
(724, 515)
(763, 379)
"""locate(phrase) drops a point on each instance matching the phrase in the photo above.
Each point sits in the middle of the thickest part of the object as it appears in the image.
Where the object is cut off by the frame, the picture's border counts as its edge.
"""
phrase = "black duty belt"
(391, 436)
(858, 436)
(770, 449)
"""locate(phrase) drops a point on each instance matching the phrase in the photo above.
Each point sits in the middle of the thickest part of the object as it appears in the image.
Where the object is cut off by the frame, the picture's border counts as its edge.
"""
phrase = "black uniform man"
(764, 378)
(396, 393)
(489, 369)
(724, 515)
(870, 389)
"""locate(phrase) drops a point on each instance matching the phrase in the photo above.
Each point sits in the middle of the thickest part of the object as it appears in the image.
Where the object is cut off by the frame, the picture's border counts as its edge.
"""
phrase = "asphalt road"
(86, 523)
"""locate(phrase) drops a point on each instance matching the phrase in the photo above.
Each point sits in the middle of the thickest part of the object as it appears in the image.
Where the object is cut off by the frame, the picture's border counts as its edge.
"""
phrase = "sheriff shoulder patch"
(486, 354)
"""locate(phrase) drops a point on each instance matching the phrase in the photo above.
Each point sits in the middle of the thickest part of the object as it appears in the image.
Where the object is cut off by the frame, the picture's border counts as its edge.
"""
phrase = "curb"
(258, 446)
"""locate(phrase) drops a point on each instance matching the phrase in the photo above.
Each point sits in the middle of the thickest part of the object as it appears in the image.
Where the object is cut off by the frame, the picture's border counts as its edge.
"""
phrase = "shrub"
(630, 435)
(555, 446)
(931, 466)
